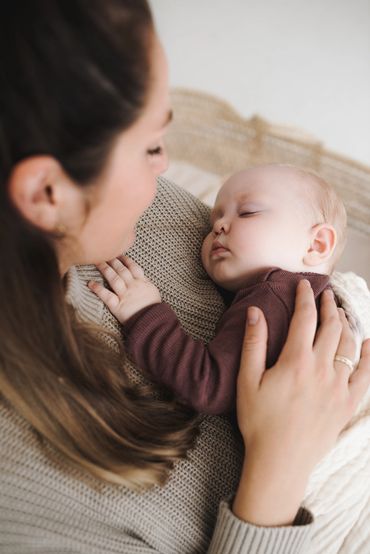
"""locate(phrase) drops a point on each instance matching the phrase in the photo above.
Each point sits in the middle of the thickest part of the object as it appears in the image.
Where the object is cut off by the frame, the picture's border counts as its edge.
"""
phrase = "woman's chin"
(119, 250)
(130, 239)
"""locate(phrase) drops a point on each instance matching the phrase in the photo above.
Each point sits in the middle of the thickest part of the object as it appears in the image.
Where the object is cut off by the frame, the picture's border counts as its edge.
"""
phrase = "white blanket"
(338, 492)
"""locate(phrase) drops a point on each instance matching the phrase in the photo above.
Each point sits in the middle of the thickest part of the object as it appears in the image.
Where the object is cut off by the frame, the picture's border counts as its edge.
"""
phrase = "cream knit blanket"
(338, 492)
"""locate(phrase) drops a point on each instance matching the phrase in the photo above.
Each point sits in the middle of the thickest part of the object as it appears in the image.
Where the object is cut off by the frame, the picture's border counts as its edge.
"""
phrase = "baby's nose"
(220, 226)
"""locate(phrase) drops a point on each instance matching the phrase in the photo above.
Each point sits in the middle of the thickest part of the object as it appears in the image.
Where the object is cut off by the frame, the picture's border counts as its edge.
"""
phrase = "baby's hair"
(326, 205)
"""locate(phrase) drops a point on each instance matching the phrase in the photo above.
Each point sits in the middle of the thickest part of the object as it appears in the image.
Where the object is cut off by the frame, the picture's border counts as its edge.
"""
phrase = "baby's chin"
(234, 283)
(225, 282)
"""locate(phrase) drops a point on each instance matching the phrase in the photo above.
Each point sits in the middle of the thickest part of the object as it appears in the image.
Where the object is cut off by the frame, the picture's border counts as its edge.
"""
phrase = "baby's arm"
(132, 291)
(203, 376)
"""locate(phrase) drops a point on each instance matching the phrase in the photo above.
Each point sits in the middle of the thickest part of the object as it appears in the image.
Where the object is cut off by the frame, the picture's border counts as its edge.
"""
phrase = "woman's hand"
(292, 414)
(131, 290)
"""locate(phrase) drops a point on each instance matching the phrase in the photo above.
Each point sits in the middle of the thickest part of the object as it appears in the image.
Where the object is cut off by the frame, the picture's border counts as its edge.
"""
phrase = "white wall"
(304, 63)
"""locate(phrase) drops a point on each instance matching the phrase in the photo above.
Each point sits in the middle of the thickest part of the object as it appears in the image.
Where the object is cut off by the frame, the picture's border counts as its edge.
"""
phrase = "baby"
(271, 226)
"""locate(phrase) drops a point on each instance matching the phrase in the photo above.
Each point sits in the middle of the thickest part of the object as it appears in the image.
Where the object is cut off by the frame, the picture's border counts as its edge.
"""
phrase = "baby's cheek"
(205, 249)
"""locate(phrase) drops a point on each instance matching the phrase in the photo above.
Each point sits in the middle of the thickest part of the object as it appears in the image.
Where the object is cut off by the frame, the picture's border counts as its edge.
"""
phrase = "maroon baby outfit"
(204, 375)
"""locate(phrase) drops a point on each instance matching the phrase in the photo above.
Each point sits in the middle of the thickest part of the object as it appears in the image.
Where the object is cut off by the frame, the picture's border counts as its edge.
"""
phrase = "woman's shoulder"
(168, 242)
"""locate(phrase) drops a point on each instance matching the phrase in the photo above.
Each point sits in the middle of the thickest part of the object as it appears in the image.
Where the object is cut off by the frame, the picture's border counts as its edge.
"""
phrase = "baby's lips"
(217, 244)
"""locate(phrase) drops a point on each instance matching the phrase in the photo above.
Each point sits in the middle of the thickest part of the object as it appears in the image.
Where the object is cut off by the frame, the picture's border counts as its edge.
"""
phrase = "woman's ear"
(37, 187)
(322, 244)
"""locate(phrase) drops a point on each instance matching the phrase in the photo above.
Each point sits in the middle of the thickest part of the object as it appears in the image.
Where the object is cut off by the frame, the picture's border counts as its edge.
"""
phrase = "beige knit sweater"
(46, 506)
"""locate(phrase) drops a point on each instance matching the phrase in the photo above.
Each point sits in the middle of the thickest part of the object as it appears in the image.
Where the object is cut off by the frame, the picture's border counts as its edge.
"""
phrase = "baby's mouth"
(218, 248)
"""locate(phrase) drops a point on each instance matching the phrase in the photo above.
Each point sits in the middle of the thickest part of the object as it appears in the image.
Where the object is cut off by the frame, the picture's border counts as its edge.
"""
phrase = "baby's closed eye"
(249, 213)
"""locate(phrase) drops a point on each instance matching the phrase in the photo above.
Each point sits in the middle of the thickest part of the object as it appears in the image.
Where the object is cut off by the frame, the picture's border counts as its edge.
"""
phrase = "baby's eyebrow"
(250, 198)
(254, 201)
(243, 196)
(214, 212)
(251, 205)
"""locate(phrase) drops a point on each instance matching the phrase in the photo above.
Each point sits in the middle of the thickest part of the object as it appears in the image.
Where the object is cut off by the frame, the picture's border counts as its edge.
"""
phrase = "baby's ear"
(322, 244)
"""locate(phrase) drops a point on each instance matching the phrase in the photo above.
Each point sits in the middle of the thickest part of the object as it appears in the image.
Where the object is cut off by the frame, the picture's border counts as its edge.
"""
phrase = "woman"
(91, 460)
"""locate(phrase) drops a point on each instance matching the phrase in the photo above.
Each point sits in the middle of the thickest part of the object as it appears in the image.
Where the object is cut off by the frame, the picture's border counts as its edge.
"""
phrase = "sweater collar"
(78, 295)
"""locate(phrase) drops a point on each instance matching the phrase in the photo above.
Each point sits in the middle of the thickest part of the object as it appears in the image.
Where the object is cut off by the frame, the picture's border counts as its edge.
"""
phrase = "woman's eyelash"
(247, 213)
(155, 151)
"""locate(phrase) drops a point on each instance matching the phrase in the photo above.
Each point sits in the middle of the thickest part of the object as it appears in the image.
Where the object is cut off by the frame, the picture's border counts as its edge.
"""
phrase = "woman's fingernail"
(253, 315)
(306, 283)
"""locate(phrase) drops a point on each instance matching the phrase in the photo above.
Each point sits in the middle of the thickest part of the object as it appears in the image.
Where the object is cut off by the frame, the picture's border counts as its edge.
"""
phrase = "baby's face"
(261, 219)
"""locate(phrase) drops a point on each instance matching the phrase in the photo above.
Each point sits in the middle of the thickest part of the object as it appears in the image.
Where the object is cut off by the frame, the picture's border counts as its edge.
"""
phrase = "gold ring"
(345, 361)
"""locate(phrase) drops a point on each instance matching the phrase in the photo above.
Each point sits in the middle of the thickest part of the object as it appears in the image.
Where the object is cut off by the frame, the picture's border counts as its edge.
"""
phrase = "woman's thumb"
(253, 358)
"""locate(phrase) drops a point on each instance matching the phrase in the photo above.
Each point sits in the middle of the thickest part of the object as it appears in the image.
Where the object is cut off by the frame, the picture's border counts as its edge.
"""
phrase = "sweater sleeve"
(234, 536)
(203, 376)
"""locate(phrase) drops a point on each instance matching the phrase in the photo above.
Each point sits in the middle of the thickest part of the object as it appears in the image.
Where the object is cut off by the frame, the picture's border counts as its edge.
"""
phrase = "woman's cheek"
(130, 239)
(161, 164)
(150, 191)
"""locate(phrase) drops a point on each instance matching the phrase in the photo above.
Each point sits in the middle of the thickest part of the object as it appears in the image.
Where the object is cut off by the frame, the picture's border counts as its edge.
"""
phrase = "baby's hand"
(132, 291)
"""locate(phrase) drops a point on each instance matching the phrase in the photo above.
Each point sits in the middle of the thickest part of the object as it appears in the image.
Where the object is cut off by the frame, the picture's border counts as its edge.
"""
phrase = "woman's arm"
(289, 418)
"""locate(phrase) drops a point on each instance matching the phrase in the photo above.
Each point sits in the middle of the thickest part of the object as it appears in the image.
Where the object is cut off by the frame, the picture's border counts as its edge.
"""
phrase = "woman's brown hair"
(73, 75)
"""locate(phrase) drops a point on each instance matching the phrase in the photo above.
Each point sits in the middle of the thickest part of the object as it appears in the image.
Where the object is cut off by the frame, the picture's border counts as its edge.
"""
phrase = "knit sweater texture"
(48, 506)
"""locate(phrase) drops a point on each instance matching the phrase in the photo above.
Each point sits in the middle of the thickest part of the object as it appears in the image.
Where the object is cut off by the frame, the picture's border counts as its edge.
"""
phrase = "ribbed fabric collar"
(78, 295)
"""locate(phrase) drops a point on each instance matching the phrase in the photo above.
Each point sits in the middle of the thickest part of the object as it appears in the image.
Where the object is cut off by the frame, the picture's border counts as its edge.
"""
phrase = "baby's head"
(273, 216)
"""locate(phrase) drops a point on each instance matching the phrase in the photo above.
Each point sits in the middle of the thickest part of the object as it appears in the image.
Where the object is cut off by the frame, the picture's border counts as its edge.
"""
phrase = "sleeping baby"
(271, 226)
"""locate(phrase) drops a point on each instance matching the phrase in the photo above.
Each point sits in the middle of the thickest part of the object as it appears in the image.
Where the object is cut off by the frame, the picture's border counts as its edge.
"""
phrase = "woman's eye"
(155, 151)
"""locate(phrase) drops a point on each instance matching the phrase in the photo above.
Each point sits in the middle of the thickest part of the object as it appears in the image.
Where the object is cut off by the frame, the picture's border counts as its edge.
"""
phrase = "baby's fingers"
(114, 276)
(136, 270)
(110, 299)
